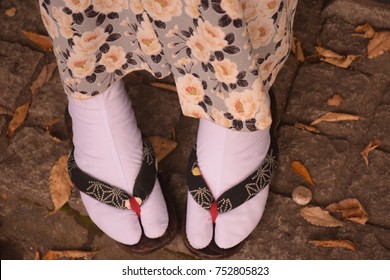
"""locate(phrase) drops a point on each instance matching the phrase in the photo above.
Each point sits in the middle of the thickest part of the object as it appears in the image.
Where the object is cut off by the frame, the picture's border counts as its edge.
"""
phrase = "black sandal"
(229, 200)
(115, 197)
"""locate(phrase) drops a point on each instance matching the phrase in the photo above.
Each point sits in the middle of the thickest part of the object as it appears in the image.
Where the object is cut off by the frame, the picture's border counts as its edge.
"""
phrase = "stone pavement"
(301, 90)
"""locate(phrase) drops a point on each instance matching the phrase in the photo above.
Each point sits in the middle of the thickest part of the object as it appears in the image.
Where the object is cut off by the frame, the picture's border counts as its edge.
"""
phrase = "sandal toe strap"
(112, 195)
(238, 194)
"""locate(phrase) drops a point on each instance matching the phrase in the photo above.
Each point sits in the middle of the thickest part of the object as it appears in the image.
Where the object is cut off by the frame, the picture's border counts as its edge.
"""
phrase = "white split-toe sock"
(108, 147)
(225, 158)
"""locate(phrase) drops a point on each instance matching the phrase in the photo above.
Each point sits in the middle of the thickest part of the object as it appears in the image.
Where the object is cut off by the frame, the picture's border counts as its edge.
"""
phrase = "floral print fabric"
(223, 54)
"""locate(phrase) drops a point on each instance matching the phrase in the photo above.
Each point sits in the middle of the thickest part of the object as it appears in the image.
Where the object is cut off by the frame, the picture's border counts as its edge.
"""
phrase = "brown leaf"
(301, 170)
(60, 183)
(367, 29)
(350, 209)
(5, 111)
(335, 244)
(37, 256)
(296, 49)
(162, 146)
(335, 117)
(379, 44)
(334, 58)
(307, 127)
(335, 100)
(302, 195)
(41, 41)
(10, 12)
(319, 217)
(379, 41)
(68, 255)
(371, 146)
(164, 86)
(18, 118)
(43, 77)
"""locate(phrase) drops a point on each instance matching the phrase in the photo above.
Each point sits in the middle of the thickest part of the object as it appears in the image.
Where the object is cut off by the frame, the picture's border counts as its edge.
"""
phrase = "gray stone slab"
(76, 203)
(49, 104)
(371, 187)
(308, 23)
(316, 83)
(178, 187)
(185, 132)
(282, 86)
(157, 111)
(378, 67)
(26, 165)
(380, 128)
(386, 95)
(284, 234)
(28, 227)
(17, 67)
(375, 12)
(27, 18)
(331, 164)
(3, 129)
(336, 34)
(3, 125)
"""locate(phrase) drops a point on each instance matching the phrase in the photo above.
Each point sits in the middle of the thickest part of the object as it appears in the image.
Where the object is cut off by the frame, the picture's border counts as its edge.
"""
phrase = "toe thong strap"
(238, 194)
(114, 196)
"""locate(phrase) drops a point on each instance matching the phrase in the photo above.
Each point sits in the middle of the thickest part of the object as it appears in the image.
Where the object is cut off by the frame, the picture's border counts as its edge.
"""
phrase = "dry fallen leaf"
(18, 118)
(367, 29)
(335, 244)
(162, 146)
(307, 127)
(371, 146)
(379, 44)
(301, 170)
(43, 77)
(296, 49)
(335, 117)
(302, 195)
(41, 41)
(60, 183)
(68, 255)
(164, 86)
(350, 209)
(379, 41)
(319, 217)
(10, 12)
(334, 58)
(335, 100)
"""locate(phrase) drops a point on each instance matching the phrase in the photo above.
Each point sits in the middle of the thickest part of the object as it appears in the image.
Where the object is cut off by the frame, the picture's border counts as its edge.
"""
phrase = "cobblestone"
(301, 93)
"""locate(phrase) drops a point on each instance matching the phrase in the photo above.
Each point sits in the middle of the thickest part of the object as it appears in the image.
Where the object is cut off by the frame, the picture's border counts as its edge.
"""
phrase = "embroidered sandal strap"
(114, 196)
(238, 194)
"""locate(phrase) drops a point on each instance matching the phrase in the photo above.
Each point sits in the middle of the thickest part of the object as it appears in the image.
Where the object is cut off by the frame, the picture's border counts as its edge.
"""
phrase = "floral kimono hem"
(224, 54)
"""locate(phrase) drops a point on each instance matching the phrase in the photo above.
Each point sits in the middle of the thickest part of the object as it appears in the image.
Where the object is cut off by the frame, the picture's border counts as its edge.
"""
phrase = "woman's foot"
(226, 158)
(108, 146)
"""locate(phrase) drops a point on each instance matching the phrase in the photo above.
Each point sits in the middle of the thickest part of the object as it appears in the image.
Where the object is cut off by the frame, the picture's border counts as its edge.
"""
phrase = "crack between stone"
(22, 44)
(286, 104)
(330, 137)
(378, 225)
